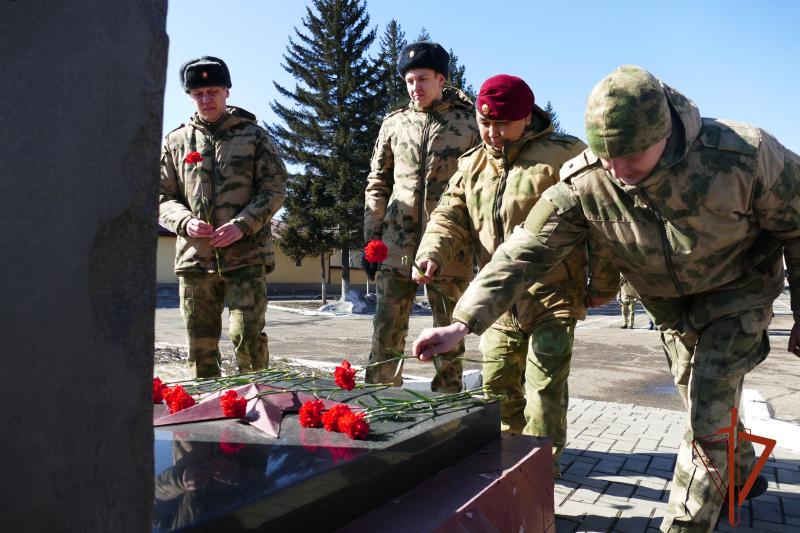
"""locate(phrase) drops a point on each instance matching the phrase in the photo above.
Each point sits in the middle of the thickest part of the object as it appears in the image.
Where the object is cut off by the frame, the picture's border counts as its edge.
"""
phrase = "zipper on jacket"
(212, 204)
(423, 167)
(498, 224)
(665, 246)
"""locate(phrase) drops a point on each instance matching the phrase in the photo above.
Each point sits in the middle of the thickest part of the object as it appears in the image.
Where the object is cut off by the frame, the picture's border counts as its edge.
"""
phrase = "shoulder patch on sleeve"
(560, 196)
(582, 162)
(730, 136)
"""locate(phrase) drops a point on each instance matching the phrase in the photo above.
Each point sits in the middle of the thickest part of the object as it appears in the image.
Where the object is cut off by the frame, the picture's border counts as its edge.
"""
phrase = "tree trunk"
(345, 271)
(323, 278)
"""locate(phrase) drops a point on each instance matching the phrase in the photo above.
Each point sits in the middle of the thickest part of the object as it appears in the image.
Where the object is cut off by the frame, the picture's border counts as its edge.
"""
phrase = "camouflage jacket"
(240, 179)
(491, 193)
(704, 228)
(415, 155)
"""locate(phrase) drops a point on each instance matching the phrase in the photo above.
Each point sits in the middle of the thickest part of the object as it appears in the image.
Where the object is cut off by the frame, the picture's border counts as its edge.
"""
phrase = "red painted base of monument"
(507, 486)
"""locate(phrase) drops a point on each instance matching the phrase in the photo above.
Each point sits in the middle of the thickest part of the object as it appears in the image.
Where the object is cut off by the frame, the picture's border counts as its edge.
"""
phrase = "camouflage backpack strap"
(582, 163)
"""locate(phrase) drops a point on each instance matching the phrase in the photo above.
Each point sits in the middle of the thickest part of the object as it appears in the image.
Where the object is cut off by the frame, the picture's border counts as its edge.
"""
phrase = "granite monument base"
(227, 476)
(505, 486)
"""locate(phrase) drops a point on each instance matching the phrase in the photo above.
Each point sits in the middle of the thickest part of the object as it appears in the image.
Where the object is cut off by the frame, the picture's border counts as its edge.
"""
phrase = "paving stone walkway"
(617, 472)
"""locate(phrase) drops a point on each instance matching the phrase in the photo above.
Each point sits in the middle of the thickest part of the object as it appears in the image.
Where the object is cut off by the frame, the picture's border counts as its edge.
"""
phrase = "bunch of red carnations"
(338, 418)
(177, 399)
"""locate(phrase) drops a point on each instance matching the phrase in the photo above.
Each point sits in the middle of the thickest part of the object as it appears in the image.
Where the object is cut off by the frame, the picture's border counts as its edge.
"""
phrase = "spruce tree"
(392, 89)
(423, 36)
(330, 122)
(548, 108)
(307, 219)
(457, 77)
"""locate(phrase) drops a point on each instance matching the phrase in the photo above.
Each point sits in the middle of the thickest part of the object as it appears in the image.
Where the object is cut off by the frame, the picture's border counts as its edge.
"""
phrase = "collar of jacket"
(452, 98)
(686, 125)
(540, 126)
(233, 117)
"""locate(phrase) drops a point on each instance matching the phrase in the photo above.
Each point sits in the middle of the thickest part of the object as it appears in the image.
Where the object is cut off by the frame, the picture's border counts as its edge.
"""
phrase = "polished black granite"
(227, 476)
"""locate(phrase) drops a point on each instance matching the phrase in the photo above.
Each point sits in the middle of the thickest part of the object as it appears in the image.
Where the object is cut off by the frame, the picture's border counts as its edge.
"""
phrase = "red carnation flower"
(226, 446)
(178, 399)
(375, 251)
(345, 376)
(354, 425)
(233, 405)
(330, 418)
(159, 389)
(311, 414)
(193, 158)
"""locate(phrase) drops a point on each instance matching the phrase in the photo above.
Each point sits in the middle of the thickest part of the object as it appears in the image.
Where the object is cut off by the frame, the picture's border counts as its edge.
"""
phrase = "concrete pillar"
(81, 98)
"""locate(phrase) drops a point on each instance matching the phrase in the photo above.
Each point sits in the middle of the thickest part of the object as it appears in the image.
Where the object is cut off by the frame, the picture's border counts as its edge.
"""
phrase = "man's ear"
(442, 80)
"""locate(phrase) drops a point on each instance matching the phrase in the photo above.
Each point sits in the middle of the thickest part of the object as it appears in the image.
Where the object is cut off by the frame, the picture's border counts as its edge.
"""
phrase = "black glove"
(369, 268)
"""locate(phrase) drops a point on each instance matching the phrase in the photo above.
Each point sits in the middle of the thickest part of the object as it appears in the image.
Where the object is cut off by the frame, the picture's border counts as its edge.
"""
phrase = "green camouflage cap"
(627, 113)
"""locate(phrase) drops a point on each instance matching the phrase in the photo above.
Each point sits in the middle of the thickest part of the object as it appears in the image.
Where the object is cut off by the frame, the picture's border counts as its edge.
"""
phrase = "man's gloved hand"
(369, 268)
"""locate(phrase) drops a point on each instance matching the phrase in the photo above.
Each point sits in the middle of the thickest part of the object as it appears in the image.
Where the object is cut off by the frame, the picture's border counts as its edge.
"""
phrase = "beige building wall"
(286, 270)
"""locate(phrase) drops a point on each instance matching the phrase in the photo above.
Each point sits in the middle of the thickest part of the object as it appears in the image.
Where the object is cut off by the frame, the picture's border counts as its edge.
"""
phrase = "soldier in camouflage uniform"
(627, 302)
(694, 212)
(415, 154)
(221, 182)
(496, 185)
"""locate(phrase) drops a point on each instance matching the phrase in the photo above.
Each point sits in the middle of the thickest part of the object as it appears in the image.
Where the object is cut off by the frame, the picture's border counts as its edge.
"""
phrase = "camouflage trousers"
(628, 308)
(395, 297)
(708, 367)
(203, 297)
(531, 371)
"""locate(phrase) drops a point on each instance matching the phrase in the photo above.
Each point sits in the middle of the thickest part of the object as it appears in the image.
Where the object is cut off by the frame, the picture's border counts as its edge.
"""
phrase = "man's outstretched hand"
(438, 340)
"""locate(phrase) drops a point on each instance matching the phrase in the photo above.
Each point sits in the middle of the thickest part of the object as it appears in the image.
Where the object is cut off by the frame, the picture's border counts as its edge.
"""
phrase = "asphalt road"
(609, 363)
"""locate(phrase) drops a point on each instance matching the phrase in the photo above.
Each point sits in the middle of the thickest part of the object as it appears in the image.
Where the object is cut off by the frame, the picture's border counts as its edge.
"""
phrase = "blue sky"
(736, 59)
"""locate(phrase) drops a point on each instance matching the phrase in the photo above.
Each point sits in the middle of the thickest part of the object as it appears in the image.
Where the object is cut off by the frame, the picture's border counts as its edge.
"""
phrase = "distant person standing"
(221, 183)
(415, 155)
(627, 302)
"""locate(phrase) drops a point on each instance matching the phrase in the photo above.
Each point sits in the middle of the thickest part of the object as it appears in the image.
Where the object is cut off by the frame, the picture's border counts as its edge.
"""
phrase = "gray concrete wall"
(81, 97)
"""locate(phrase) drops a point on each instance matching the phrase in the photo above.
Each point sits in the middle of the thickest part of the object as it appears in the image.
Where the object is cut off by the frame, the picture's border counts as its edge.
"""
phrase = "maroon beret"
(505, 97)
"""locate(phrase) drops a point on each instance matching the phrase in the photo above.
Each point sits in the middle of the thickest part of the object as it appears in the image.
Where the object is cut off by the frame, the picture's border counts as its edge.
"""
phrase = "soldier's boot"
(504, 356)
(204, 355)
(546, 388)
(394, 298)
(442, 296)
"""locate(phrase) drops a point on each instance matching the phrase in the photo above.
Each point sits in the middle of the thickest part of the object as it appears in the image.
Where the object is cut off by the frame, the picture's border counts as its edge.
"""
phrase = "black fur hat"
(206, 71)
(423, 55)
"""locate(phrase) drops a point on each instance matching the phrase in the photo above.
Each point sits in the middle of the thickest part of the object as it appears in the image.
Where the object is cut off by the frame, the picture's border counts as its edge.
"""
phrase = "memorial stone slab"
(224, 475)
